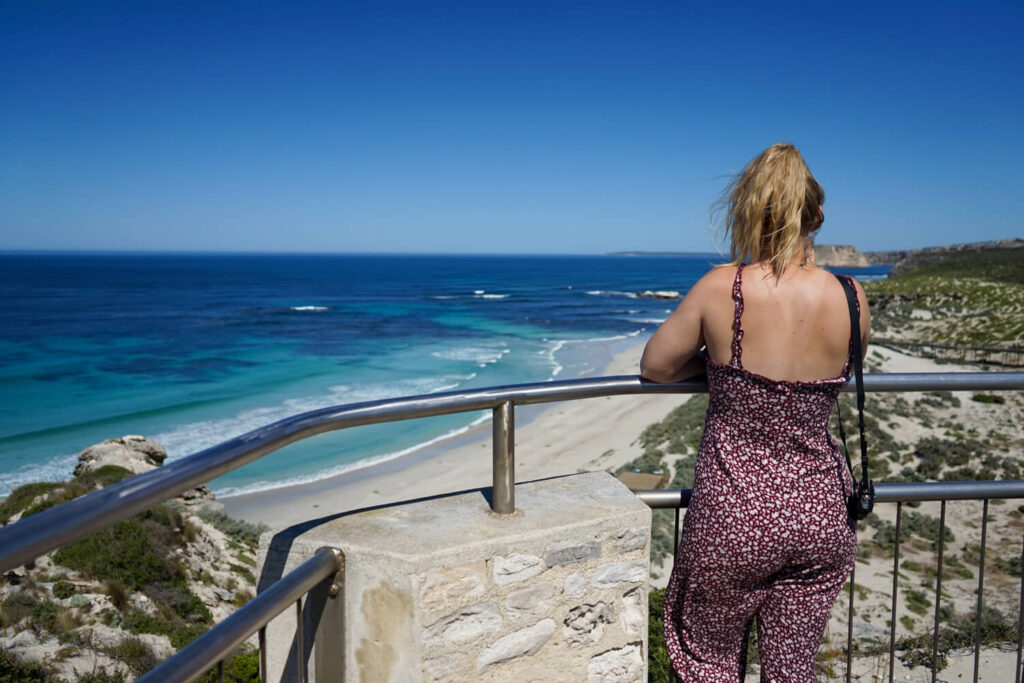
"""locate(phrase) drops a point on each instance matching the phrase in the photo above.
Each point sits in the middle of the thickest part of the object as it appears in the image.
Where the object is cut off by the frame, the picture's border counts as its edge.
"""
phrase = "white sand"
(575, 436)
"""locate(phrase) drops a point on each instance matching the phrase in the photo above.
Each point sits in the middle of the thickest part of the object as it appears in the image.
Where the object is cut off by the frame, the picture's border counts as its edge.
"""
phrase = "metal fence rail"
(40, 533)
(900, 493)
(209, 649)
(60, 525)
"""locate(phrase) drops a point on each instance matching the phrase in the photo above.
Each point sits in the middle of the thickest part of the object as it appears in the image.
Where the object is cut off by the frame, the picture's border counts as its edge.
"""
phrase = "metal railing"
(941, 492)
(209, 649)
(31, 537)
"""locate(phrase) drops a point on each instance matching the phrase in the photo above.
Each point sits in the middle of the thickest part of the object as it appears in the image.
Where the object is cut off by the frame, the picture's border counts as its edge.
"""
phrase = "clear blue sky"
(538, 127)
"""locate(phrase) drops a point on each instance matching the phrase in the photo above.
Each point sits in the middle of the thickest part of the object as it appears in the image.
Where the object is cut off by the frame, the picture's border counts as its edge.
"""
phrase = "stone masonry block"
(575, 585)
(451, 667)
(442, 589)
(453, 586)
(622, 665)
(565, 552)
(521, 643)
(584, 625)
(632, 539)
(634, 614)
(516, 567)
(529, 600)
(611, 574)
(465, 624)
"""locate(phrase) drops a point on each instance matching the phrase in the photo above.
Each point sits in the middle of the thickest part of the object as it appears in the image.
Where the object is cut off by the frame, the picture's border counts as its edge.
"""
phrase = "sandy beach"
(575, 436)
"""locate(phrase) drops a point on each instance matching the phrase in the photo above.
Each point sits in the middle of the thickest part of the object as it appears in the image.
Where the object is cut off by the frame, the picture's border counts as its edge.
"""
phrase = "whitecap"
(481, 355)
(58, 468)
(309, 308)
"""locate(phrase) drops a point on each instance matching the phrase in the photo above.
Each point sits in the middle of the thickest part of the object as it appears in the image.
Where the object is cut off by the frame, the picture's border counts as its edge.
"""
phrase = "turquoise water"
(193, 349)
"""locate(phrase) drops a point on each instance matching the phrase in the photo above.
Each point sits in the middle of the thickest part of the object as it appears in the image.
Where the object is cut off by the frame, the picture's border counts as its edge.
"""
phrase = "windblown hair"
(771, 207)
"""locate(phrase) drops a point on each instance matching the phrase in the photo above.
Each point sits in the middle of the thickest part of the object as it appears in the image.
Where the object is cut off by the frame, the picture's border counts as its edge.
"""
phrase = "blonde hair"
(771, 207)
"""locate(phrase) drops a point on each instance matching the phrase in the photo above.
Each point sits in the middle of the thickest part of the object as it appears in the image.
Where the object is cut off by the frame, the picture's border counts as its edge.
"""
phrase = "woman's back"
(796, 328)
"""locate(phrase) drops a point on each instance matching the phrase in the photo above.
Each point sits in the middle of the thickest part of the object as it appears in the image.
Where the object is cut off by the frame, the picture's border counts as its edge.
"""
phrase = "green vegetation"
(55, 492)
(974, 298)
(137, 552)
(957, 632)
(242, 667)
(22, 497)
(135, 654)
(13, 671)
(1011, 566)
(238, 530)
(994, 265)
(679, 433)
(681, 429)
(988, 398)
(63, 589)
(659, 667)
(139, 555)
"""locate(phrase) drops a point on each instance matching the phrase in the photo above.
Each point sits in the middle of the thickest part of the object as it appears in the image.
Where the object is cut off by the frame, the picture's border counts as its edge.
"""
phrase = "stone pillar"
(445, 590)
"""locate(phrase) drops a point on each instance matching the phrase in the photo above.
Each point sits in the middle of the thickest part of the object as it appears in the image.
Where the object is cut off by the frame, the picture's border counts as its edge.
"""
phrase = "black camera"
(862, 501)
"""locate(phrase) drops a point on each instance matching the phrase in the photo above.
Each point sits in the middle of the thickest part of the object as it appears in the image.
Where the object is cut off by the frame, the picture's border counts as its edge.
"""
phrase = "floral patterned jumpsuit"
(767, 532)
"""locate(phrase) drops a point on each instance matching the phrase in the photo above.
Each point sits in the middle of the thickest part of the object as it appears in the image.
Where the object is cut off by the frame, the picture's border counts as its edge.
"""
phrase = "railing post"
(503, 495)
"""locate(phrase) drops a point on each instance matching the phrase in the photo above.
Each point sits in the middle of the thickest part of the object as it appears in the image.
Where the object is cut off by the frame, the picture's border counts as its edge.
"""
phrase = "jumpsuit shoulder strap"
(736, 360)
(856, 302)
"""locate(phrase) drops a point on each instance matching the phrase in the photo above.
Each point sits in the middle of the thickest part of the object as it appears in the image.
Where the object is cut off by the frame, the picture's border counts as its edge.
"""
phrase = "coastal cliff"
(839, 255)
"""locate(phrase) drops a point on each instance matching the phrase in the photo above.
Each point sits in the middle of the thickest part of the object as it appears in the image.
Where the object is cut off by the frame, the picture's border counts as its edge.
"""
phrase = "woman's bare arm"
(672, 353)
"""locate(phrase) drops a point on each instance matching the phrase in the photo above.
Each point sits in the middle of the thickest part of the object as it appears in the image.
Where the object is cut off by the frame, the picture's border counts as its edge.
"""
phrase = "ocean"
(192, 349)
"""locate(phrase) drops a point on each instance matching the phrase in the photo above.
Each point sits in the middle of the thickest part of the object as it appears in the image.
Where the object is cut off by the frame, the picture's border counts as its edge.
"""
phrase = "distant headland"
(848, 256)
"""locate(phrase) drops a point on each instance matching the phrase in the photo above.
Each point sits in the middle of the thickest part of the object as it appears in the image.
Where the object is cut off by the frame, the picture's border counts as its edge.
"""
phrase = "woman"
(767, 533)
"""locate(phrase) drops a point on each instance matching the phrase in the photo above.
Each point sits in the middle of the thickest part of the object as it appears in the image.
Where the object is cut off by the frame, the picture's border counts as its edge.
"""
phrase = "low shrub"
(244, 572)
(101, 676)
(242, 667)
(1011, 566)
(958, 632)
(237, 530)
(20, 498)
(63, 589)
(135, 654)
(135, 552)
(659, 667)
(14, 671)
(79, 486)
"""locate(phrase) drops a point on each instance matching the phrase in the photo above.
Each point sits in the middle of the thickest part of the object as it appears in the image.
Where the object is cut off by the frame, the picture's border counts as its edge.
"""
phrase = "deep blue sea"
(191, 349)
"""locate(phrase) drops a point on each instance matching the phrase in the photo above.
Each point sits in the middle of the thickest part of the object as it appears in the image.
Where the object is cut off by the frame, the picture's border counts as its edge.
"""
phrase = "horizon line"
(212, 252)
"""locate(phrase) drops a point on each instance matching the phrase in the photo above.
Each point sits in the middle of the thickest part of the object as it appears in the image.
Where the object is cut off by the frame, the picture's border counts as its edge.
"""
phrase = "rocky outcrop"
(137, 454)
(839, 255)
(660, 294)
(895, 257)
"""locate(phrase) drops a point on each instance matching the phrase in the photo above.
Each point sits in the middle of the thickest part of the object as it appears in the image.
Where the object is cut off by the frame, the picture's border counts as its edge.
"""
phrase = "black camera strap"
(858, 368)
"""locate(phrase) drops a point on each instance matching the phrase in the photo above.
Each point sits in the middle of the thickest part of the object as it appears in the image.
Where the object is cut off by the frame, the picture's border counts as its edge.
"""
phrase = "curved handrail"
(29, 538)
(903, 492)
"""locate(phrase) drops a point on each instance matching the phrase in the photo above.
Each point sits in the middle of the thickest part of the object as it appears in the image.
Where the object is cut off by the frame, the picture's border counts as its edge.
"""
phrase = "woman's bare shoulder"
(716, 279)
